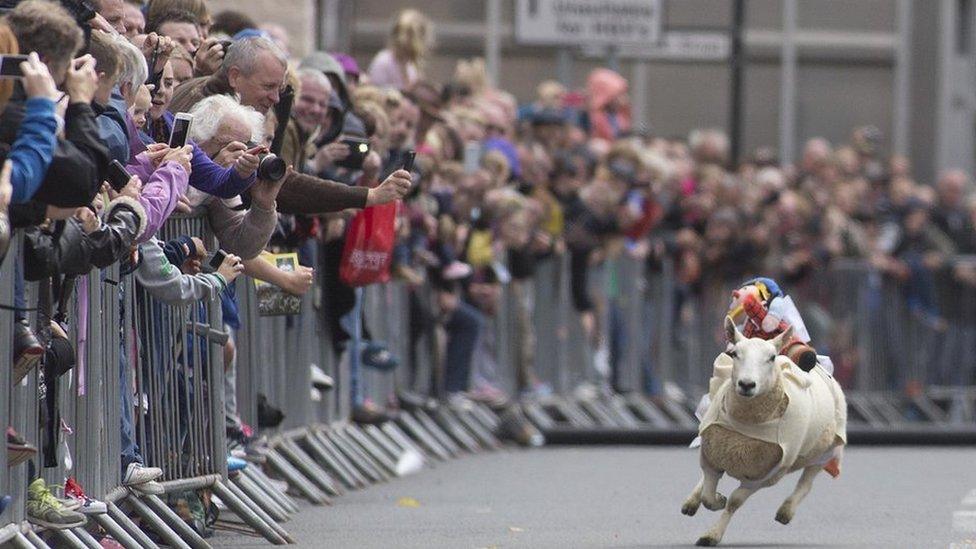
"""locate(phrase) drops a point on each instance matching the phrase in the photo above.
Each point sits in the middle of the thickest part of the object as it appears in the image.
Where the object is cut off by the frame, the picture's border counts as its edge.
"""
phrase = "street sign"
(677, 45)
(587, 22)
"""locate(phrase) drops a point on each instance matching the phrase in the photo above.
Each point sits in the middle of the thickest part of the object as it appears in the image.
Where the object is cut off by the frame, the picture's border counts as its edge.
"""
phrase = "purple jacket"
(162, 188)
(206, 174)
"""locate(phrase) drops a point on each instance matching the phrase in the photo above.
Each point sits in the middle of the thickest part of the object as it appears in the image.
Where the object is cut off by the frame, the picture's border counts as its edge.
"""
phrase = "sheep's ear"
(732, 333)
(782, 338)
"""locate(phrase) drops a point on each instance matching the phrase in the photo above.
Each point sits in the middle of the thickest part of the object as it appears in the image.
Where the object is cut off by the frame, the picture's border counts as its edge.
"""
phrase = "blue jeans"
(463, 330)
(130, 448)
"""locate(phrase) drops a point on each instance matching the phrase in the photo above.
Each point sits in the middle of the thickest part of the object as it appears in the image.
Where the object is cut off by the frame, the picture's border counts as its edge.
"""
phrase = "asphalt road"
(629, 497)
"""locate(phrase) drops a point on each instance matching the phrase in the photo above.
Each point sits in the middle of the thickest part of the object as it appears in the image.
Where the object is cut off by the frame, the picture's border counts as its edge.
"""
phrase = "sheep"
(767, 418)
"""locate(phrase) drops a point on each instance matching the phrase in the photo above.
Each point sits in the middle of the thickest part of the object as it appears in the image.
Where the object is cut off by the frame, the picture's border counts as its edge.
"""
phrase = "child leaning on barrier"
(164, 280)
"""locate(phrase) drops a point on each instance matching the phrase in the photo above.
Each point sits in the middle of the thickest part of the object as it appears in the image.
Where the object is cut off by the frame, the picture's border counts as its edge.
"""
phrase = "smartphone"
(408, 158)
(217, 259)
(358, 149)
(181, 130)
(118, 176)
(472, 156)
(10, 66)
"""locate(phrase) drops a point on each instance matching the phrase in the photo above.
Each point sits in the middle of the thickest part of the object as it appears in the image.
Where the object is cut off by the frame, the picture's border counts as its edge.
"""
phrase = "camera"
(271, 167)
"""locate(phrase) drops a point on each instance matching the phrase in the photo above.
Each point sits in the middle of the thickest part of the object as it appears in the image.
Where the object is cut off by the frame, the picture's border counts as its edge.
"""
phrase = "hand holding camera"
(181, 155)
(230, 267)
(265, 191)
(37, 79)
(269, 166)
(209, 56)
(82, 80)
(392, 188)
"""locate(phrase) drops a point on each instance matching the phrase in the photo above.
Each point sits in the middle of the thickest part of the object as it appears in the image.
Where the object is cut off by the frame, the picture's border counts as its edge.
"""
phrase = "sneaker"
(456, 271)
(494, 397)
(4, 502)
(27, 351)
(268, 416)
(410, 401)
(137, 473)
(370, 414)
(43, 509)
(87, 505)
(321, 380)
(235, 464)
(18, 450)
(150, 488)
(515, 426)
(378, 357)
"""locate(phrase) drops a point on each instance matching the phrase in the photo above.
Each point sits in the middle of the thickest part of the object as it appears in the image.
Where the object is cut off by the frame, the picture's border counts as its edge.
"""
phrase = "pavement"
(630, 497)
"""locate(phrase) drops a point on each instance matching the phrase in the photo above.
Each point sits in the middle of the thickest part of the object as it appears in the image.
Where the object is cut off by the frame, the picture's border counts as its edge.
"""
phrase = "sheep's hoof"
(707, 541)
(784, 515)
(716, 504)
(690, 508)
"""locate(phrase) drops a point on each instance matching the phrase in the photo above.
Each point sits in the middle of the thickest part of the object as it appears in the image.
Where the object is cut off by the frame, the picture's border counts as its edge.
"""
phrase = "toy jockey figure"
(768, 313)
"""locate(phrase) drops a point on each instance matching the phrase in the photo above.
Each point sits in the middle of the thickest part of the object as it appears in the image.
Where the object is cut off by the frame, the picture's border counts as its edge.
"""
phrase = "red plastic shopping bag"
(368, 252)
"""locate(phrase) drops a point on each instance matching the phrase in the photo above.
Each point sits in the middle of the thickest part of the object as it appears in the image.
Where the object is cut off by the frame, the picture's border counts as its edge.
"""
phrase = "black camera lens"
(271, 167)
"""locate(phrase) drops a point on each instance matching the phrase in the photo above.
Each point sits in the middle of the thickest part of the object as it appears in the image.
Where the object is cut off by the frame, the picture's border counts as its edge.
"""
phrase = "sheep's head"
(754, 369)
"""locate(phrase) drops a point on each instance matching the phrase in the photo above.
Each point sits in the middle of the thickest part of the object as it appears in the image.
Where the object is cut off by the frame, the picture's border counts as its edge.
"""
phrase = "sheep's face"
(754, 369)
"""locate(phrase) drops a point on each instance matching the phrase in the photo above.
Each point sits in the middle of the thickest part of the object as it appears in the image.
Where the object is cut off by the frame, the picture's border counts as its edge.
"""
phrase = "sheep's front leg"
(714, 535)
(710, 498)
(691, 504)
(785, 513)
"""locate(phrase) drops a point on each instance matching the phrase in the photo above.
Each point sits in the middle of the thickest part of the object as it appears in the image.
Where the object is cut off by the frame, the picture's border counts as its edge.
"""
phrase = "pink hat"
(349, 65)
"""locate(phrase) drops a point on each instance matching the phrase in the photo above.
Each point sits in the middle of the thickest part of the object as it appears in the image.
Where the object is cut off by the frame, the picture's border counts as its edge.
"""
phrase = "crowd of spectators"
(497, 189)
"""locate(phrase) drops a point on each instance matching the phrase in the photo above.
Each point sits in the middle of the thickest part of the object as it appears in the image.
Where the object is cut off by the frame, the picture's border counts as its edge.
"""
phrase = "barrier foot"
(308, 467)
(22, 542)
(247, 515)
(486, 416)
(431, 426)
(446, 420)
(354, 456)
(261, 480)
(346, 433)
(86, 538)
(266, 502)
(393, 431)
(484, 435)
(257, 510)
(538, 416)
(380, 457)
(130, 527)
(296, 480)
(388, 445)
(35, 540)
(68, 539)
(425, 439)
(359, 479)
(175, 522)
(159, 525)
(116, 531)
(325, 458)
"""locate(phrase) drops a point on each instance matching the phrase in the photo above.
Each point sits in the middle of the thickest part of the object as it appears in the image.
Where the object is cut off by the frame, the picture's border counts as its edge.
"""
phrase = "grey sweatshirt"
(166, 283)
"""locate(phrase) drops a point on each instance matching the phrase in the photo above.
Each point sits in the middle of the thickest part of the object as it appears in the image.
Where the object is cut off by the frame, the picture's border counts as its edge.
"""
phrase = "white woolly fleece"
(136, 206)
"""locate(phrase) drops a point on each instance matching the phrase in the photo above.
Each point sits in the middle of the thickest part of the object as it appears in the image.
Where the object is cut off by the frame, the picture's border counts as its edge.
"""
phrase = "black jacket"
(78, 168)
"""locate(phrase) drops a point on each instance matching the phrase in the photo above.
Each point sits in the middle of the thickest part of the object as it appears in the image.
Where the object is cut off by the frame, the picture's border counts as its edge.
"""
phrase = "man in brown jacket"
(254, 70)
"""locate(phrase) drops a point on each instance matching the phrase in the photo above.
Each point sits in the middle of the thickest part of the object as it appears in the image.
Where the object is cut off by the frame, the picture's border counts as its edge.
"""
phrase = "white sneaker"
(137, 473)
(151, 488)
(321, 380)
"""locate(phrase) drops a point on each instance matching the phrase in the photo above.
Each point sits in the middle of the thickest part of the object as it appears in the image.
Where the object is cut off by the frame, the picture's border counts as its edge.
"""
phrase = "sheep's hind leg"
(715, 533)
(693, 502)
(785, 513)
(710, 498)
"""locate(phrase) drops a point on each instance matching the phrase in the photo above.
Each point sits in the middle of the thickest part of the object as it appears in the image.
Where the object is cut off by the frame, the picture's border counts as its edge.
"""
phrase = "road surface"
(629, 497)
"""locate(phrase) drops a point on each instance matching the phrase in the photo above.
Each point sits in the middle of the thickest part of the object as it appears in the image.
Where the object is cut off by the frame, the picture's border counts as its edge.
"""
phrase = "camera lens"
(271, 167)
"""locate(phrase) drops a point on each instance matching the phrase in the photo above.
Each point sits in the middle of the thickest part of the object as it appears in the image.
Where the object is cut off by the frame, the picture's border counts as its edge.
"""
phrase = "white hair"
(244, 53)
(209, 113)
(134, 69)
(314, 75)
